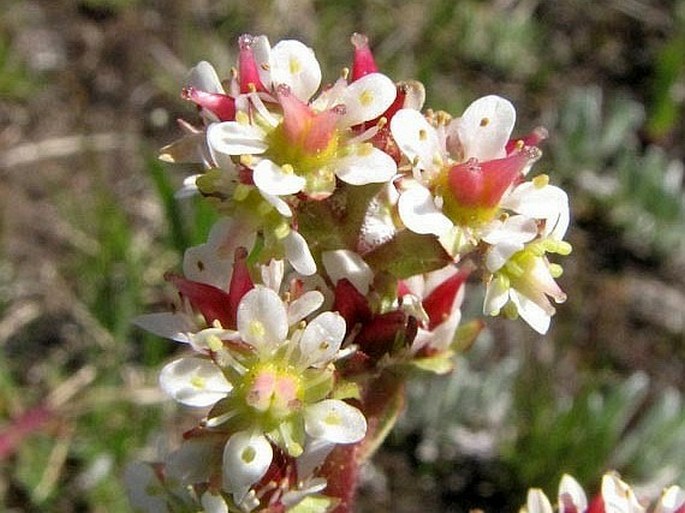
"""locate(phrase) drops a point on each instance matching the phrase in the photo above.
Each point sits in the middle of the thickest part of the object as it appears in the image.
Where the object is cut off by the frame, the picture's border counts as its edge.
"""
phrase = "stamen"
(541, 181)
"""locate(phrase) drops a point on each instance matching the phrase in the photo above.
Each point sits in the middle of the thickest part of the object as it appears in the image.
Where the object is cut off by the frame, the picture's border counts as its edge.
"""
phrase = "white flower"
(212, 262)
(247, 457)
(335, 421)
(484, 128)
(538, 502)
(525, 282)
(436, 327)
(194, 381)
(572, 498)
(343, 263)
(618, 497)
(305, 148)
(213, 503)
(460, 169)
(672, 500)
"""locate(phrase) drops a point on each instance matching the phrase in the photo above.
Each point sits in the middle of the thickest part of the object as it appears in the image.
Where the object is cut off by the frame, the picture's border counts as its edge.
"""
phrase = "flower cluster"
(351, 221)
(615, 497)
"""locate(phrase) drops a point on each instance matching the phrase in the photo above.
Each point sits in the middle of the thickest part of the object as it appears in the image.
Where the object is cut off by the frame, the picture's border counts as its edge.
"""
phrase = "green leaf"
(313, 504)
(346, 390)
(466, 335)
(408, 254)
(439, 364)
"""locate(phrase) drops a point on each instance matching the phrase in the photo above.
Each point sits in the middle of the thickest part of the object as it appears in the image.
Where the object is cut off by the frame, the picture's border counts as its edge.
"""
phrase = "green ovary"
(272, 394)
(313, 165)
(469, 216)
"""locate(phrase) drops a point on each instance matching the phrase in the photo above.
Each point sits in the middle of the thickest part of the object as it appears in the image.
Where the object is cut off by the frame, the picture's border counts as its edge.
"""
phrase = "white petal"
(496, 296)
(548, 202)
(538, 502)
(618, 497)
(330, 96)
(304, 305)
(335, 421)
(530, 311)
(189, 187)
(315, 452)
(262, 319)
(234, 138)
(246, 459)
(202, 340)
(188, 464)
(507, 238)
(672, 499)
(571, 488)
(194, 381)
(367, 165)
(367, 98)
(212, 262)
(261, 49)
(213, 503)
(204, 78)
(280, 205)
(322, 338)
(519, 228)
(273, 179)
(343, 263)
(485, 127)
(298, 254)
(295, 65)
(418, 212)
(272, 275)
(172, 325)
(443, 334)
(417, 139)
(498, 255)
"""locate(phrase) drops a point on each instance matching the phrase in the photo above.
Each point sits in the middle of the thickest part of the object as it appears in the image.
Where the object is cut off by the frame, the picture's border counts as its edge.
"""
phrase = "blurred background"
(89, 90)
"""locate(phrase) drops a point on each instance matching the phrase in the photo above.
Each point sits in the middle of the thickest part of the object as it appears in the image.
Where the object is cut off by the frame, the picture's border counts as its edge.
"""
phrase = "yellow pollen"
(265, 66)
(242, 118)
(241, 192)
(484, 122)
(246, 160)
(333, 419)
(214, 343)
(288, 169)
(423, 135)
(282, 231)
(295, 66)
(520, 144)
(365, 150)
(264, 208)
(257, 329)
(540, 181)
(555, 270)
(198, 382)
(324, 345)
(366, 98)
(248, 455)
(345, 73)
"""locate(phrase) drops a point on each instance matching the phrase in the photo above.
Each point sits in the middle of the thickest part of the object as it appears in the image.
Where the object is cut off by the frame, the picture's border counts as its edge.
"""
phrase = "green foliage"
(597, 149)
(16, 82)
(666, 107)
(575, 434)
